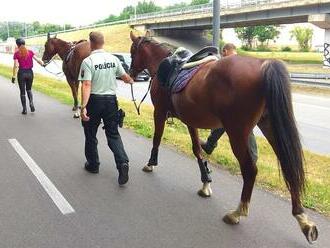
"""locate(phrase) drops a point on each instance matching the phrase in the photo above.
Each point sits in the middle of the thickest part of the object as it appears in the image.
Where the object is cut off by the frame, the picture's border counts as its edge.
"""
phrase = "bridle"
(61, 73)
(137, 107)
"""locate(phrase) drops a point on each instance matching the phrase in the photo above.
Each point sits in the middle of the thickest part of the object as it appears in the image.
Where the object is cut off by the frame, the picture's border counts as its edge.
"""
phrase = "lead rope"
(137, 107)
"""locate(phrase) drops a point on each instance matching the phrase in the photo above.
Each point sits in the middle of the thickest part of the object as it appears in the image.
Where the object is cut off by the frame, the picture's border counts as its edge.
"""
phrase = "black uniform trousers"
(103, 107)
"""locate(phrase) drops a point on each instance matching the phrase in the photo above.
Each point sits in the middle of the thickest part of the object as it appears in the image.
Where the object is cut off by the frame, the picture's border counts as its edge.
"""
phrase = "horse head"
(138, 55)
(50, 49)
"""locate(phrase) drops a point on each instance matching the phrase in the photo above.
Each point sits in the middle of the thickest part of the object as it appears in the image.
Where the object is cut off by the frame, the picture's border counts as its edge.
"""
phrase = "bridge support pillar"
(327, 48)
(323, 21)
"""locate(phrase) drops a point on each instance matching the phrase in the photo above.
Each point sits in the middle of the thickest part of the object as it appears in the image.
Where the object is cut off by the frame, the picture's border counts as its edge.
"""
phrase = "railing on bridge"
(204, 8)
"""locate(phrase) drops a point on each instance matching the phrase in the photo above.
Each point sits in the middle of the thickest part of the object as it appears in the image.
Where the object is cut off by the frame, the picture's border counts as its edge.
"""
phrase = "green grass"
(290, 57)
(308, 68)
(318, 170)
(117, 37)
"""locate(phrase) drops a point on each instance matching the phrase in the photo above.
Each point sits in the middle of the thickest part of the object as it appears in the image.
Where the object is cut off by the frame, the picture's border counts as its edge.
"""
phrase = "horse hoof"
(74, 108)
(203, 194)
(148, 169)
(76, 116)
(311, 233)
(206, 191)
(231, 219)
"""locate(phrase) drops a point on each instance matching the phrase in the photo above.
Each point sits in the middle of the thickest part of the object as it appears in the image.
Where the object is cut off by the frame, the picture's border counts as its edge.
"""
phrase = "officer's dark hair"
(96, 38)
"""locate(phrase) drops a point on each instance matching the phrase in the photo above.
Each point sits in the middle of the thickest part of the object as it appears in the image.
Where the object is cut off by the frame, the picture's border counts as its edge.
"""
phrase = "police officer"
(228, 49)
(98, 74)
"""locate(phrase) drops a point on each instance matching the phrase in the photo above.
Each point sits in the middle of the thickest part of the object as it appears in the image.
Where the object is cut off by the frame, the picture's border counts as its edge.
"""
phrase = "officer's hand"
(13, 80)
(84, 115)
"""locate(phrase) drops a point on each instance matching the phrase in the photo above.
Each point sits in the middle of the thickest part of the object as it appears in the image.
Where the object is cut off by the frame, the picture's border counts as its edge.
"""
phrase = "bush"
(263, 49)
(305, 50)
(286, 49)
(246, 48)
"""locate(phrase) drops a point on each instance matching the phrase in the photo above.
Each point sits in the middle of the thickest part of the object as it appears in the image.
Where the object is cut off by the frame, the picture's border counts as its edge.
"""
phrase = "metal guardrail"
(204, 8)
(311, 82)
(315, 76)
(82, 28)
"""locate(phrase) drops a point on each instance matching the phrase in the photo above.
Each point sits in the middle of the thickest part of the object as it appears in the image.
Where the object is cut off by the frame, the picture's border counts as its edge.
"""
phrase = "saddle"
(183, 59)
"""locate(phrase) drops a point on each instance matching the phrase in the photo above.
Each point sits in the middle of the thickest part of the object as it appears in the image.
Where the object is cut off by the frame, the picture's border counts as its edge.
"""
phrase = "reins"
(57, 74)
(138, 107)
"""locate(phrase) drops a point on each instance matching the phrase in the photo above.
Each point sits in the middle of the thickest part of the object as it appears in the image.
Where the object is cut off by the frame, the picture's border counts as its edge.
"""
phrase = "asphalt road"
(312, 112)
(154, 210)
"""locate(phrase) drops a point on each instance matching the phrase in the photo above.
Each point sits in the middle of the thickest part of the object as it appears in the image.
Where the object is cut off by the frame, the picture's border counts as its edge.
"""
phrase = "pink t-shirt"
(25, 63)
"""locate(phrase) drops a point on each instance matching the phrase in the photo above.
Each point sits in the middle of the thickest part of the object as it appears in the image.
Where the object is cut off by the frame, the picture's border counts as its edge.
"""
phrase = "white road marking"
(59, 200)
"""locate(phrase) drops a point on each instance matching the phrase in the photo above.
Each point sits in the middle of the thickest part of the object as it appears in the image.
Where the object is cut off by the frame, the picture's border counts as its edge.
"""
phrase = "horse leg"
(159, 122)
(308, 227)
(239, 144)
(74, 89)
(206, 179)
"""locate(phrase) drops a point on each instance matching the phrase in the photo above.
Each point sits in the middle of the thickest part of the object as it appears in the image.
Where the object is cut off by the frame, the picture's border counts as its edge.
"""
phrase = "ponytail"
(23, 51)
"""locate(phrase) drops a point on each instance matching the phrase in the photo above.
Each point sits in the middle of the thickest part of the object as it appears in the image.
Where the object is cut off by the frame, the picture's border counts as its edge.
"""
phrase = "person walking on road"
(23, 60)
(229, 49)
(98, 74)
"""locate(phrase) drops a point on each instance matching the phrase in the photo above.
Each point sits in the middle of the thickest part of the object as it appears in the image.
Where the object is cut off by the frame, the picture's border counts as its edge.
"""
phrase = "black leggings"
(25, 80)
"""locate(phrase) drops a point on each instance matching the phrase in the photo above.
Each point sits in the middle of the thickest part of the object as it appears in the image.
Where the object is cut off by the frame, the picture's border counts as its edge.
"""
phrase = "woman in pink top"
(23, 60)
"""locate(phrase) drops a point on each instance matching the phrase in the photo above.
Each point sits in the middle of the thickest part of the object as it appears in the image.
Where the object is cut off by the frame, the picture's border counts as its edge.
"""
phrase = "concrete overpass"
(193, 20)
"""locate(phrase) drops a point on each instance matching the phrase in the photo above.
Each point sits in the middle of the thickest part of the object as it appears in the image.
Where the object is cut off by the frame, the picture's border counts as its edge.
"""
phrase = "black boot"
(30, 96)
(91, 169)
(212, 140)
(123, 173)
(23, 101)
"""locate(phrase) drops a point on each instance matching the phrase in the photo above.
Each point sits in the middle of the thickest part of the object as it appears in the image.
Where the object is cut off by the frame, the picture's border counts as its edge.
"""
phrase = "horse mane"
(164, 45)
(79, 41)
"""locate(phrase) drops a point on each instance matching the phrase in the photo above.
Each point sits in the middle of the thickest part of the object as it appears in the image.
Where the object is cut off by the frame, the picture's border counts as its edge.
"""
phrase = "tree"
(303, 36)
(246, 35)
(176, 6)
(198, 2)
(266, 33)
(147, 7)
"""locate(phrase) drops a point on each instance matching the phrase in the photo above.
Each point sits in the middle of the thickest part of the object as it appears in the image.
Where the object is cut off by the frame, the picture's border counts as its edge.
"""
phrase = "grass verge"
(290, 57)
(116, 37)
(318, 170)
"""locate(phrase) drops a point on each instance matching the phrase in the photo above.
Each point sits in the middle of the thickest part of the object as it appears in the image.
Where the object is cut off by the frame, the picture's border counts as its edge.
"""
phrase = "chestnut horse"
(236, 93)
(72, 55)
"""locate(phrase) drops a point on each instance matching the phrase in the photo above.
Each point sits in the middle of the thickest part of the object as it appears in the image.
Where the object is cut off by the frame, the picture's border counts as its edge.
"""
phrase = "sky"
(74, 12)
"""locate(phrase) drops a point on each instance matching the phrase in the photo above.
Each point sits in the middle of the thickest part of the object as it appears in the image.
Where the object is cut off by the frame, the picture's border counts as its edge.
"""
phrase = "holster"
(120, 117)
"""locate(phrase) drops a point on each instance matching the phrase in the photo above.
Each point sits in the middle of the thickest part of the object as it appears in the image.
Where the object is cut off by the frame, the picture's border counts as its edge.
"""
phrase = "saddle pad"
(183, 79)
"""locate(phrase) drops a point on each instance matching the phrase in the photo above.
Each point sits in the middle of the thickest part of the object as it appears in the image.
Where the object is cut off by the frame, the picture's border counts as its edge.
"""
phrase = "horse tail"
(286, 138)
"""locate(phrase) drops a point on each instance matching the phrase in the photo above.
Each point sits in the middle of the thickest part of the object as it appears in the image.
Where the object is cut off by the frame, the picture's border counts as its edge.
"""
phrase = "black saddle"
(171, 66)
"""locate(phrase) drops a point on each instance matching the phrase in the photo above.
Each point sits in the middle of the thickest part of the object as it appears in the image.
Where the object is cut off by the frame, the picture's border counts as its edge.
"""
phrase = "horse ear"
(48, 36)
(148, 34)
(133, 37)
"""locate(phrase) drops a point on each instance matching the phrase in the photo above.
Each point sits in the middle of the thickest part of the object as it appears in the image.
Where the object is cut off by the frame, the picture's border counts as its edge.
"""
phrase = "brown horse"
(72, 55)
(236, 93)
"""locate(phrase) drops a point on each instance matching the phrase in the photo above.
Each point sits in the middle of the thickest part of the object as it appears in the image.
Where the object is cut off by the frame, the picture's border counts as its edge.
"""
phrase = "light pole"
(7, 29)
(216, 22)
